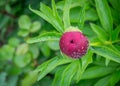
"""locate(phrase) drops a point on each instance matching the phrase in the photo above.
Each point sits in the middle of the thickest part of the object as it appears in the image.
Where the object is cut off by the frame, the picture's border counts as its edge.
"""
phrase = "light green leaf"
(104, 15)
(81, 17)
(22, 49)
(97, 71)
(45, 50)
(30, 78)
(23, 33)
(35, 26)
(48, 66)
(68, 73)
(103, 82)
(49, 36)
(75, 3)
(47, 14)
(54, 45)
(87, 59)
(7, 52)
(34, 50)
(24, 22)
(66, 17)
(79, 71)
(107, 53)
(14, 41)
(55, 13)
(22, 60)
(99, 32)
(107, 61)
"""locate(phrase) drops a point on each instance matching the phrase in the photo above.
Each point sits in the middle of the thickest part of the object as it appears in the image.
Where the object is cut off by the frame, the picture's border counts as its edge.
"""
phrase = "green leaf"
(47, 14)
(103, 82)
(115, 4)
(7, 52)
(34, 50)
(66, 17)
(68, 74)
(91, 15)
(23, 33)
(85, 61)
(35, 26)
(12, 81)
(30, 78)
(107, 61)
(48, 36)
(79, 71)
(81, 17)
(97, 71)
(107, 53)
(55, 13)
(58, 77)
(54, 45)
(24, 22)
(14, 41)
(115, 33)
(45, 50)
(3, 76)
(22, 60)
(48, 66)
(99, 32)
(114, 78)
(75, 3)
(22, 49)
(104, 15)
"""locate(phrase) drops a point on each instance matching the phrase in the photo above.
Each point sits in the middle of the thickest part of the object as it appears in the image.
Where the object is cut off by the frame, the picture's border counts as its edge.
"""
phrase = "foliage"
(29, 44)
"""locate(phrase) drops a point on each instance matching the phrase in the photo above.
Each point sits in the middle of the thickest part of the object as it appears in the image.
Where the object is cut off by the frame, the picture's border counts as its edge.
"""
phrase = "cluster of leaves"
(17, 57)
(97, 21)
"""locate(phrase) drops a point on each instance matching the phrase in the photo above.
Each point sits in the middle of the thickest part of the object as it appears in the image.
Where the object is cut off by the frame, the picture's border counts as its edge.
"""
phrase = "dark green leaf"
(103, 82)
(114, 78)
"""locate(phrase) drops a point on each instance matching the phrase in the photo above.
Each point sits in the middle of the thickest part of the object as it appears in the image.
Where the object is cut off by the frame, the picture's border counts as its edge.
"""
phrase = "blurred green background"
(17, 58)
